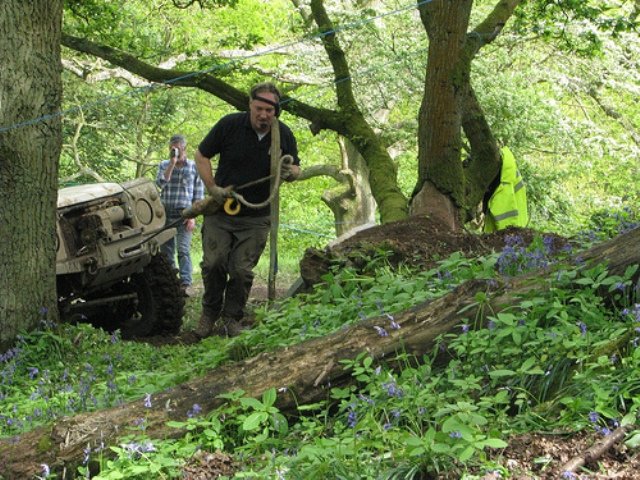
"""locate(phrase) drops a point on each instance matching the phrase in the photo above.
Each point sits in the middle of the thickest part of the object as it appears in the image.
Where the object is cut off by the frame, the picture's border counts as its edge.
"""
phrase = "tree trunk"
(302, 373)
(352, 203)
(382, 171)
(440, 116)
(30, 143)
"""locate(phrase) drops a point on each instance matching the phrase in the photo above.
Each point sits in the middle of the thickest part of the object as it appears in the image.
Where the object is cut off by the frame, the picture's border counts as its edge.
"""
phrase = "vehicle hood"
(84, 193)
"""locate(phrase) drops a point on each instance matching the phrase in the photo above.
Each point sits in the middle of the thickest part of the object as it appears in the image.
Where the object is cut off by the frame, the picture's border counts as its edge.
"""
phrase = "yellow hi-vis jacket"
(508, 204)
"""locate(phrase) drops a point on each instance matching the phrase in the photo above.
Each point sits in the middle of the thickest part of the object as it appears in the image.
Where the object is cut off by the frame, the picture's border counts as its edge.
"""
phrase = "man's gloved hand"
(220, 194)
(285, 167)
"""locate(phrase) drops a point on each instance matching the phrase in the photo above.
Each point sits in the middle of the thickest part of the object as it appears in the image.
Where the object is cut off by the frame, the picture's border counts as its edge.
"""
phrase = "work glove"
(220, 194)
(285, 167)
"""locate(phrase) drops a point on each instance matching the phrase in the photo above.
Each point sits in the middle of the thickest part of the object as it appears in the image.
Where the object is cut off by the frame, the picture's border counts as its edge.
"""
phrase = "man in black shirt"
(233, 244)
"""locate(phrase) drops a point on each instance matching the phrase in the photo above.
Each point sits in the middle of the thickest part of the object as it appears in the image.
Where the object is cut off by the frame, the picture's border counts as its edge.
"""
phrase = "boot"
(233, 327)
(205, 326)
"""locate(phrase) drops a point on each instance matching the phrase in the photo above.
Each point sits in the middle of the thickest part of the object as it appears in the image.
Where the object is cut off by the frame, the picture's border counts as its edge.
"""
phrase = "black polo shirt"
(244, 157)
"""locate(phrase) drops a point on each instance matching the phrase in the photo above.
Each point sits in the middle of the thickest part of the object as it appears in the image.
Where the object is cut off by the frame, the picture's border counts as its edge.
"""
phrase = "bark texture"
(30, 143)
(301, 372)
(440, 116)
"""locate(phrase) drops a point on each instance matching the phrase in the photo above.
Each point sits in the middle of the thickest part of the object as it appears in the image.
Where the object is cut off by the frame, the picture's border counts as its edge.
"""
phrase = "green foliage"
(559, 358)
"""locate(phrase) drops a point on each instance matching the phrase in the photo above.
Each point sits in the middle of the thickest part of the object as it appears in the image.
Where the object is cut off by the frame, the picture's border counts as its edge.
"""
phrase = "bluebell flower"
(583, 327)
(366, 399)
(604, 431)
(352, 418)
(392, 389)
(194, 411)
(594, 417)
(381, 331)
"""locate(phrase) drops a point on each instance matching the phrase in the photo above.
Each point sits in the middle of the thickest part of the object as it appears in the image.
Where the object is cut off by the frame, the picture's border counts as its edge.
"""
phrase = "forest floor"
(421, 242)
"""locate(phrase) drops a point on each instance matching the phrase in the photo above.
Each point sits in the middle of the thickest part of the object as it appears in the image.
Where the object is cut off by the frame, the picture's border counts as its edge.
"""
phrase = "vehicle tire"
(160, 305)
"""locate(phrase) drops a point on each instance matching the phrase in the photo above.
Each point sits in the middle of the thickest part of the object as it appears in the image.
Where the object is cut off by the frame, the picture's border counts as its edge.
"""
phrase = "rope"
(285, 159)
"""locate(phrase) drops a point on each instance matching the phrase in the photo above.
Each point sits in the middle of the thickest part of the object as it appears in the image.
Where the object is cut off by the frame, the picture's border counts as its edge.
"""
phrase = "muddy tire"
(145, 304)
(160, 304)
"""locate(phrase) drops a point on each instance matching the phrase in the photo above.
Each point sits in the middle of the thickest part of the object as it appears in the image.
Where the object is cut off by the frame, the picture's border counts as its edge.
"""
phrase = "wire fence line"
(139, 90)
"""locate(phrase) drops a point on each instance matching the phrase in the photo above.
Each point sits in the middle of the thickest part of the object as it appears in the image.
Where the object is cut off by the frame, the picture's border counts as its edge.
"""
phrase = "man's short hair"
(178, 139)
(265, 87)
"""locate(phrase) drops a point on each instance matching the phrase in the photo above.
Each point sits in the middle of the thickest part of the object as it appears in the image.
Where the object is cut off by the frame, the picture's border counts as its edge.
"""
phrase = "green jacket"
(508, 204)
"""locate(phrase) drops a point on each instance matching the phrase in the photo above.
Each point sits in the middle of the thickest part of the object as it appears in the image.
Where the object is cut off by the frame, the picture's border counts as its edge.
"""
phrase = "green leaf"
(413, 441)
(494, 443)
(501, 373)
(628, 419)
(251, 402)
(441, 448)
(527, 364)
(269, 397)
(253, 421)
(633, 441)
(466, 454)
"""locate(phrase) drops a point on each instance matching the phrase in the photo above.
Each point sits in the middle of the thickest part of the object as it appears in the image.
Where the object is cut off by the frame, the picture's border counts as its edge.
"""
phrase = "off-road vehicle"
(109, 268)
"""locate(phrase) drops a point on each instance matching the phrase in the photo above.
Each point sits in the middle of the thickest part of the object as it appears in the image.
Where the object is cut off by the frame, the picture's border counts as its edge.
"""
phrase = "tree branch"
(487, 30)
(320, 118)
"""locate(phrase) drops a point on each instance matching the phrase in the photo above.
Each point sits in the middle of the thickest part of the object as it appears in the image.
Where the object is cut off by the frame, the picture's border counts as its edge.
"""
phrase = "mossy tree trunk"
(30, 143)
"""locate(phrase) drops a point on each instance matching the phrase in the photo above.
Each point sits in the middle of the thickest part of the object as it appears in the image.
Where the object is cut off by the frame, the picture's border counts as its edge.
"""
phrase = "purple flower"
(147, 400)
(381, 331)
(583, 328)
(594, 417)
(46, 471)
(568, 474)
(194, 411)
(455, 434)
(352, 418)
(33, 372)
(604, 431)
(465, 327)
(392, 389)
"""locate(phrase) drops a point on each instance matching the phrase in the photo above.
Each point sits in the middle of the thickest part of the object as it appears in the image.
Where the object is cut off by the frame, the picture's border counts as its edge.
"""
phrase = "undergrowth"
(562, 357)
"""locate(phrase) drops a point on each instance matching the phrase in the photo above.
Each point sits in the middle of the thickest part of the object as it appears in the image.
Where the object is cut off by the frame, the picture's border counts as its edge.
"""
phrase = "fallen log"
(302, 373)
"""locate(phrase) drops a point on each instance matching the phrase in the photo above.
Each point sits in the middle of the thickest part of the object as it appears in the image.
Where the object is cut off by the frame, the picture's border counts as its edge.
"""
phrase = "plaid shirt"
(183, 188)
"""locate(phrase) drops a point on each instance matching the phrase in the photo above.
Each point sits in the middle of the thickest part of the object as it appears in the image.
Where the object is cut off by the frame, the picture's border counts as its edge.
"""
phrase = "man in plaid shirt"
(180, 186)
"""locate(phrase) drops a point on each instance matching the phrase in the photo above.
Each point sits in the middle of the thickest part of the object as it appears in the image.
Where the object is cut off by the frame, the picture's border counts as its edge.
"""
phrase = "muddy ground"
(421, 242)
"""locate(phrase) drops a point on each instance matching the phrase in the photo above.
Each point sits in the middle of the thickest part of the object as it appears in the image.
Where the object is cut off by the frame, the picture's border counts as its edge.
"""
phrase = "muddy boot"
(232, 327)
(205, 326)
